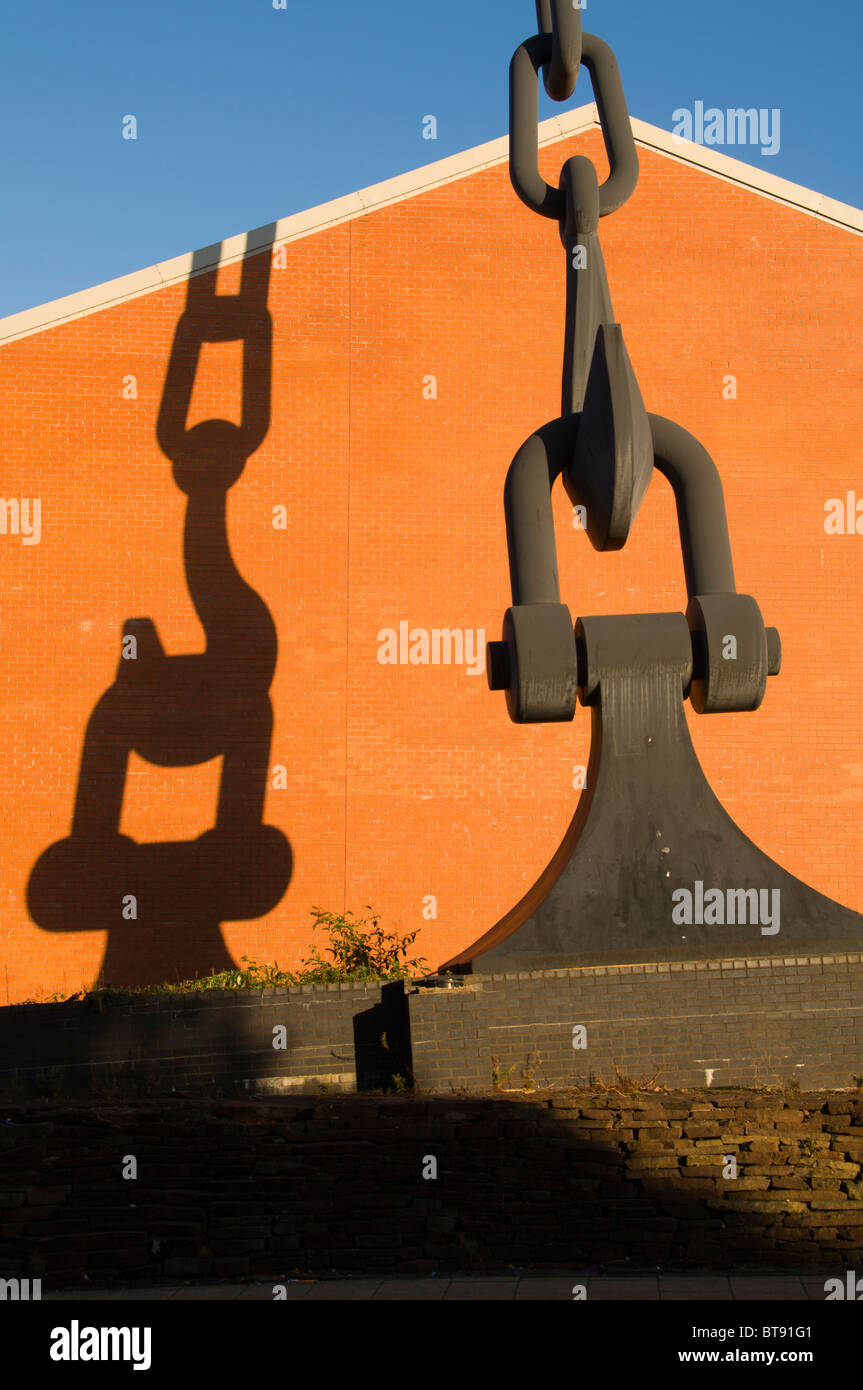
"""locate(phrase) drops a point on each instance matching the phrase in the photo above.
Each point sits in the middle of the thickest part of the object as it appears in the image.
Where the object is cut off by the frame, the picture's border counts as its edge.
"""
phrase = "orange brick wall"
(409, 781)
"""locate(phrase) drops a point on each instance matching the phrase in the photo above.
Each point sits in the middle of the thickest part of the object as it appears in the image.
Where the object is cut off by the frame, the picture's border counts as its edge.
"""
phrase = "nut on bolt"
(732, 653)
(535, 663)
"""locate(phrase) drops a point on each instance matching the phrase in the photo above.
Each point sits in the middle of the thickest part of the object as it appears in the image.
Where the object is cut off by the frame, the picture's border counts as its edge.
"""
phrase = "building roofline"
(404, 186)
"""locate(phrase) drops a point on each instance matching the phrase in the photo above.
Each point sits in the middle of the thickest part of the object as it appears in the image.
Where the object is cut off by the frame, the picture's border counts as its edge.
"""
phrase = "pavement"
(659, 1287)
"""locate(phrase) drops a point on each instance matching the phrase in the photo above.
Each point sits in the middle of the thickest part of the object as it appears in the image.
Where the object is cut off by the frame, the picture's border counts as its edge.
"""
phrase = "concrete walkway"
(537, 1287)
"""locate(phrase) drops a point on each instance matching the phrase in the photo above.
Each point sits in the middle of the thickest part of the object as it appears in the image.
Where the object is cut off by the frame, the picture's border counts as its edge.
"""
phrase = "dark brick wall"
(554, 1180)
(752, 1022)
(748, 1022)
(193, 1041)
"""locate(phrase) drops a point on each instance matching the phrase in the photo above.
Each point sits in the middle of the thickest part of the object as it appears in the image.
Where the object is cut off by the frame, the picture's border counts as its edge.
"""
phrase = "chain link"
(605, 445)
(214, 452)
(563, 22)
(541, 51)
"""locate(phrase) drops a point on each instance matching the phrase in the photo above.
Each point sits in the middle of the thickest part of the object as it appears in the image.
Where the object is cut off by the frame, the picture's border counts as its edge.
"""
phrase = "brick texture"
(567, 1179)
(409, 782)
(790, 1021)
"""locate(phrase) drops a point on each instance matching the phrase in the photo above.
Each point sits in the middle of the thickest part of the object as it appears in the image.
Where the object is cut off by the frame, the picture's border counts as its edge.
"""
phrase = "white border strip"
(749, 176)
(417, 181)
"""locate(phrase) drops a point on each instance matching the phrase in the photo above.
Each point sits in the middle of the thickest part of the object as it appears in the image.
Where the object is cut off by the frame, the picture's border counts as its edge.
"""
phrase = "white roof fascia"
(410, 185)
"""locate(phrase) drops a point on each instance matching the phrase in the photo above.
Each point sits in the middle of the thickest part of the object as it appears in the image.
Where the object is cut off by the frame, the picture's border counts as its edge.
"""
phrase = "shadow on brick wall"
(161, 904)
(382, 1042)
(374, 1185)
(220, 1043)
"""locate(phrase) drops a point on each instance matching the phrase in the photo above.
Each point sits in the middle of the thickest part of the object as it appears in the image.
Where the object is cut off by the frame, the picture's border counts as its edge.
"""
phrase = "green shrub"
(358, 954)
(360, 950)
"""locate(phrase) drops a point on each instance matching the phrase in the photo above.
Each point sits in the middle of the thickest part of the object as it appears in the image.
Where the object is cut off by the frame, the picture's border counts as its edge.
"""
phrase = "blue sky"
(247, 113)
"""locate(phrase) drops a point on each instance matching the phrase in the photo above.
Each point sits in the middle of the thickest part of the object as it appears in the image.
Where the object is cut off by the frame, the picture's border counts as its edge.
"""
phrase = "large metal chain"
(605, 445)
(559, 49)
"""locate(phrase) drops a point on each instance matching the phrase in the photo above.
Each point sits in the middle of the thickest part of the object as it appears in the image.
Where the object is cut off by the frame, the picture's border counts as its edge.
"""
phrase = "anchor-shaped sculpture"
(652, 867)
(177, 711)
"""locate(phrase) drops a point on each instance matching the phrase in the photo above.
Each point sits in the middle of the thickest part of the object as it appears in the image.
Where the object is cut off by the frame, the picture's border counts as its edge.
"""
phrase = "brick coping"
(676, 967)
(474, 982)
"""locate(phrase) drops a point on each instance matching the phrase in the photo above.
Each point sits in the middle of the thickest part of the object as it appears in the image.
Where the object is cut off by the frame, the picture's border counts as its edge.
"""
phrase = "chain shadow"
(161, 904)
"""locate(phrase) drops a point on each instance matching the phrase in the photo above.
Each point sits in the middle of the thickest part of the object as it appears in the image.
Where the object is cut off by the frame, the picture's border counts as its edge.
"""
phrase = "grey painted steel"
(519, 663)
(647, 821)
(526, 179)
(701, 515)
(541, 664)
(611, 466)
(562, 20)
